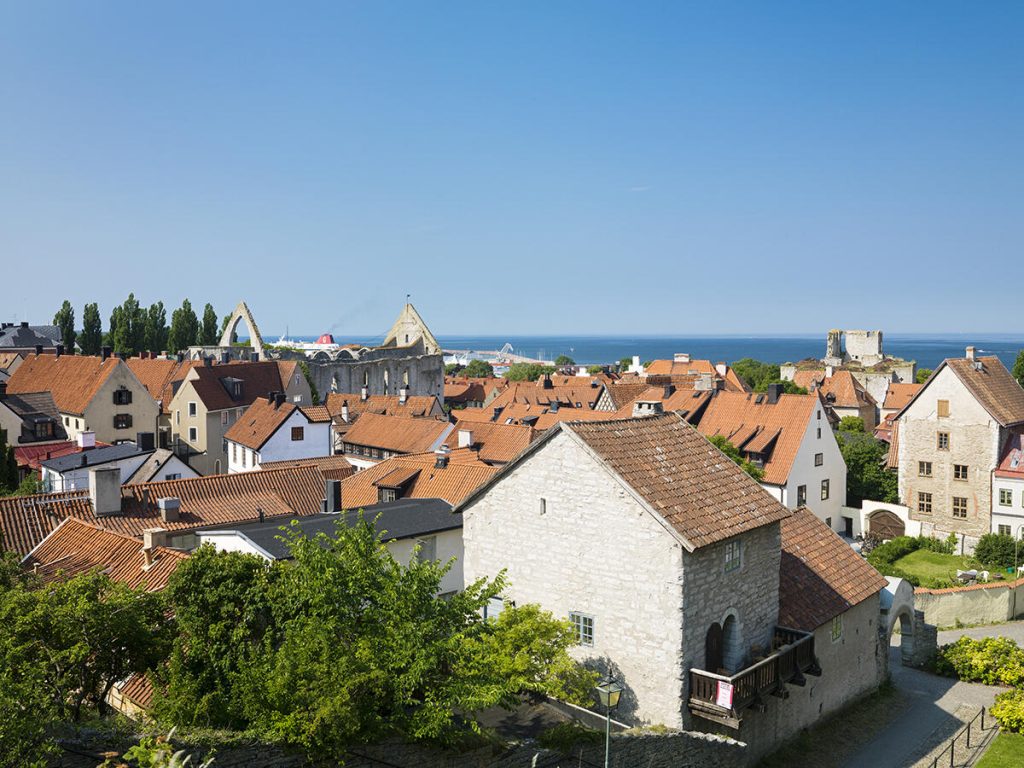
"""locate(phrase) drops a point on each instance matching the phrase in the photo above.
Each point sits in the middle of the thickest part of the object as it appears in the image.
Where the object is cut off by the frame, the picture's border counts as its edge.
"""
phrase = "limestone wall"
(976, 604)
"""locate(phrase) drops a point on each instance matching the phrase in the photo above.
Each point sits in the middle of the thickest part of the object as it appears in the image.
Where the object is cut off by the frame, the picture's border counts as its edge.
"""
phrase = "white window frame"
(732, 559)
(1005, 497)
(583, 625)
(193, 434)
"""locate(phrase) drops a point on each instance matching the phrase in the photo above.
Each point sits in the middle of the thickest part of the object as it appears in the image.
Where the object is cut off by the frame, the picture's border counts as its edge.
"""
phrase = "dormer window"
(385, 495)
(43, 429)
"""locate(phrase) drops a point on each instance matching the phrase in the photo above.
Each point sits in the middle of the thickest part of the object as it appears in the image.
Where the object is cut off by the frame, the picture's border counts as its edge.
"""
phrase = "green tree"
(92, 330)
(624, 363)
(563, 360)
(208, 335)
(527, 371)
(1018, 368)
(722, 443)
(866, 475)
(997, 550)
(65, 320)
(758, 375)
(924, 373)
(478, 369)
(851, 424)
(184, 328)
(304, 367)
(452, 368)
(155, 336)
(128, 327)
(8, 466)
(593, 370)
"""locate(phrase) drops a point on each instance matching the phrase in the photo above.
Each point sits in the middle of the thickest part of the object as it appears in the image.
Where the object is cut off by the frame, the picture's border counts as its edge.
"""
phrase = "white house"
(405, 524)
(790, 438)
(138, 462)
(272, 429)
(1008, 490)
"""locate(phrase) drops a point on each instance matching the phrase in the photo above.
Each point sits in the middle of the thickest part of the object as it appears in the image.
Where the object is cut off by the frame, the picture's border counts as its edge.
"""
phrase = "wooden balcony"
(724, 699)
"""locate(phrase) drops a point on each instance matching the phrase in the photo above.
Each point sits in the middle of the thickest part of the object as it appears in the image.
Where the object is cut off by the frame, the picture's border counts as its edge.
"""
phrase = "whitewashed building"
(272, 430)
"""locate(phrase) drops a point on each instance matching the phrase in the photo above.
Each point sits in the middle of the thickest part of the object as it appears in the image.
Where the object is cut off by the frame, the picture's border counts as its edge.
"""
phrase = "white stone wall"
(280, 447)
(1012, 515)
(804, 472)
(595, 550)
(78, 479)
(447, 545)
(974, 441)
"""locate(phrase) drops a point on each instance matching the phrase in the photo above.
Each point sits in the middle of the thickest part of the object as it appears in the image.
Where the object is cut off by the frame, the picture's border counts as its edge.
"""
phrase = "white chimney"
(86, 439)
(170, 509)
(344, 411)
(364, 393)
(153, 538)
(105, 490)
(970, 353)
(635, 367)
(465, 438)
(829, 371)
(647, 408)
(403, 395)
(721, 369)
(681, 357)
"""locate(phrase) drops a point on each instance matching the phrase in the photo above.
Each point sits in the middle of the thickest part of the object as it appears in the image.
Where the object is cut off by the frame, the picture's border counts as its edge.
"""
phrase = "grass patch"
(931, 567)
(830, 741)
(1007, 751)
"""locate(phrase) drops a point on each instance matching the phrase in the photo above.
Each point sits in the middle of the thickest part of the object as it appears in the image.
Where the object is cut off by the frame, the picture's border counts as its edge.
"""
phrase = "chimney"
(58, 350)
(207, 360)
(279, 398)
(225, 358)
(643, 408)
(180, 357)
(146, 441)
(260, 515)
(104, 353)
(105, 490)
(546, 383)
(441, 457)
(24, 323)
(344, 411)
(86, 440)
(39, 349)
(721, 369)
(403, 395)
(122, 355)
(151, 539)
(774, 392)
(170, 509)
(465, 438)
(84, 459)
(829, 371)
(681, 357)
(497, 413)
(970, 353)
(270, 398)
(669, 390)
(332, 497)
(704, 383)
(553, 407)
(636, 363)
(364, 393)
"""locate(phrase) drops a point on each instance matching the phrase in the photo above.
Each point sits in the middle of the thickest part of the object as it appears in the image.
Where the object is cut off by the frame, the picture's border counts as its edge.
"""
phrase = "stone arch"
(897, 602)
(886, 525)
(255, 340)
(906, 621)
(732, 643)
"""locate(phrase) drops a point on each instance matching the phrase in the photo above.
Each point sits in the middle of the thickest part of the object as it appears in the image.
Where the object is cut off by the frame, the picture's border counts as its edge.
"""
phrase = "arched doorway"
(885, 525)
(906, 621)
(732, 644)
(713, 648)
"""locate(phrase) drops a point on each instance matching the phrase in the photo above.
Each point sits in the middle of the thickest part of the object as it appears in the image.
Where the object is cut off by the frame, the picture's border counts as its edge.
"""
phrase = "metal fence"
(964, 736)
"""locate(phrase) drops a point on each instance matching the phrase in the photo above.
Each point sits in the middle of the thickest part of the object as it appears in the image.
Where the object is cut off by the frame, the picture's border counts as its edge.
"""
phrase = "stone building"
(669, 562)
(949, 439)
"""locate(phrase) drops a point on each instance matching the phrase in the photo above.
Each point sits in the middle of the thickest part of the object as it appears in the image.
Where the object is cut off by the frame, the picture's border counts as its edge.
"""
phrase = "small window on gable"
(942, 408)
(192, 409)
(583, 625)
(298, 434)
(193, 434)
(801, 495)
(122, 421)
(543, 505)
(837, 628)
(733, 555)
(122, 396)
(824, 489)
(942, 441)
(819, 459)
(385, 495)
(819, 433)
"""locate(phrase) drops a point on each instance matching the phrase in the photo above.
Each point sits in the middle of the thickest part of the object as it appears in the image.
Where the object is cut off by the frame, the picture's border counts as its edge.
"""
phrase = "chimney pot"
(647, 408)
(104, 353)
(208, 361)
(669, 390)
(721, 369)
(24, 323)
(364, 393)
(279, 398)
(970, 353)
(170, 509)
(774, 393)
(441, 457)
(87, 439)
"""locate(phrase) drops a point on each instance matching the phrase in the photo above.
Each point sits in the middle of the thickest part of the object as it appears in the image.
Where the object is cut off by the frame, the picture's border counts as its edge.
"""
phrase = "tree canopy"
(65, 321)
(208, 333)
(758, 375)
(924, 373)
(866, 475)
(1018, 368)
(722, 443)
(478, 369)
(91, 338)
(527, 371)
(563, 360)
(184, 328)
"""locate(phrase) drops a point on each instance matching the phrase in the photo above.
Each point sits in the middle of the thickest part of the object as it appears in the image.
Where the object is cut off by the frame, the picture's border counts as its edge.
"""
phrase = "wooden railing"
(793, 655)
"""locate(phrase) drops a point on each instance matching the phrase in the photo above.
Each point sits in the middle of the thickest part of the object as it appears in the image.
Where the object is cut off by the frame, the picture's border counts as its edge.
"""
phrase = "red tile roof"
(845, 390)
(259, 423)
(899, 394)
(1011, 464)
(32, 456)
(991, 384)
(158, 376)
(453, 483)
(396, 433)
(494, 443)
(687, 401)
(259, 380)
(415, 406)
(72, 379)
(820, 576)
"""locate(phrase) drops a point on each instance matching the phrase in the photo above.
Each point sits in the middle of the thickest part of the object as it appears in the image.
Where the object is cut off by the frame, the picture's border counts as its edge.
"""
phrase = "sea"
(928, 350)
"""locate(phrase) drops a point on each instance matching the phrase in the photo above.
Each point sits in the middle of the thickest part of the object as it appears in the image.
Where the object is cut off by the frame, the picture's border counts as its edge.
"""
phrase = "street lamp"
(608, 691)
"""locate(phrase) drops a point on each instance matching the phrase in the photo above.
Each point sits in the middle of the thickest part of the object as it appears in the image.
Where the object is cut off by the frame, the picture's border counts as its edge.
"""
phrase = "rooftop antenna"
(407, 297)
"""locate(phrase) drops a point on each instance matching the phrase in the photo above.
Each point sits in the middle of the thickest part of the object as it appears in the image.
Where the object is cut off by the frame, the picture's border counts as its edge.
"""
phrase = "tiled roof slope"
(623, 394)
(1011, 465)
(335, 467)
(28, 407)
(72, 379)
(740, 417)
(495, 443)
(7, 359)
(899, 394)
(396, 433)
(205, 501)
(259, 380)
(390, 405)
(841, 385)
(993, 387)
(259, 422)
(820, 576)
(453, 483)
(703, 494)
(158, 376)
(534, 393)
(685, 401)
(78, 547)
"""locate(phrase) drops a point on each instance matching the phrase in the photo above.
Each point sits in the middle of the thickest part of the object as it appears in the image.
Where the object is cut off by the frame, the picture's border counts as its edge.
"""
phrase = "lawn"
(1007, 751)
(929, 566)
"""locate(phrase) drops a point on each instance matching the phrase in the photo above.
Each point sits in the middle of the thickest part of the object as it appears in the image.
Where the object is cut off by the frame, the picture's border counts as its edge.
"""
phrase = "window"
(122, 420)
(428, 549)
(819, 433)
(223, 418)
(44, 429)
(245, 457)
(298, 434)
(819, 414)
(942, 408)
(828, 521)
(234, 452)
(959, 471)
(172, 476)
(543, 506)
(385, 495)
(960, 506)
(942, 441)
(177, 417)
(733, 555)
(824, 489)
(819, 459)
(837, 628)
(191, 409)
(801, 495)
(224, 444)
(1004, 530)
(584, 627)
(193, 434)
(122, 396)
(924, 469)
(216, 467)
(924, 502)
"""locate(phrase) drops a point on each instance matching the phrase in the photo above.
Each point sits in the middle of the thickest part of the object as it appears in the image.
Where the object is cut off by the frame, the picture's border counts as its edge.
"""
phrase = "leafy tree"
(624, 363)
(851, 424)
(478, 369)
(128, 327)
(527, 371)
(593, 370)
(722, 443)
(304, 367)
(1018, 368)
(208, 335)
(563, 360)
(924, 373)
(155, 337)
(866, 475)
(184, 328)
(65, 320)
(8, 466)
(452, 368)
(997, 550)
(759, 375)
(92, 330)
(112, 329)
(26, 713)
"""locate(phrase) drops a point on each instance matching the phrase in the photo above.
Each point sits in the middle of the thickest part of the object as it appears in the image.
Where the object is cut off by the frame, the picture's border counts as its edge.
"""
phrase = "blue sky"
(532, 167)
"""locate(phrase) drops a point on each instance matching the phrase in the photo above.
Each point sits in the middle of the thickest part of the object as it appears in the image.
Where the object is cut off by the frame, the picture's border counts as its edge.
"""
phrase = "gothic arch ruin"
(255, 340)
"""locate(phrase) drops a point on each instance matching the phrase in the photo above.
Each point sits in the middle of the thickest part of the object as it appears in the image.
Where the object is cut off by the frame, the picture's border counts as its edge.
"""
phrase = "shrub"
(996, 550)
(1008, 710)
(885, 555)
(990, 660)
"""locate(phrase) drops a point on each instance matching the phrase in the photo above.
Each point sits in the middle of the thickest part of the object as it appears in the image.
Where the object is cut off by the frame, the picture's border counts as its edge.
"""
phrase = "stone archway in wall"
(255, 340)
(905, 619)
(886, 525)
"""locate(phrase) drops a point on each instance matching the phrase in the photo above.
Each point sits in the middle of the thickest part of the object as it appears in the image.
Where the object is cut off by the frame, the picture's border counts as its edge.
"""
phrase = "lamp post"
(608, 691)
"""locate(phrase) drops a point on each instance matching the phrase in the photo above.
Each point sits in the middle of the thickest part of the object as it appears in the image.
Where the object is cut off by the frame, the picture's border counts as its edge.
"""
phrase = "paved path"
(1011, 629)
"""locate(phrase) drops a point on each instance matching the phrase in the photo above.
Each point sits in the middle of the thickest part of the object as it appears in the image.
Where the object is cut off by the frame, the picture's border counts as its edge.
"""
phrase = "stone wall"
(975, 604)
(425, 373)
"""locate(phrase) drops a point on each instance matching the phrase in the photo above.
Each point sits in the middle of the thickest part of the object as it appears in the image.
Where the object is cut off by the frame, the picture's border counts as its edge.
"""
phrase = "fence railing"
(943, 759)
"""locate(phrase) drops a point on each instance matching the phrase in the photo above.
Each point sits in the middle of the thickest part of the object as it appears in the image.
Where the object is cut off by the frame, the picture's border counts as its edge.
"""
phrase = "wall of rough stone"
(591, 548)
(425, 372)
(976, 604)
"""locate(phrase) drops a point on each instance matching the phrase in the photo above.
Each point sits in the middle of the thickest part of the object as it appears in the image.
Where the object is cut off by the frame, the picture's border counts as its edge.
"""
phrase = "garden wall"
(975, 604)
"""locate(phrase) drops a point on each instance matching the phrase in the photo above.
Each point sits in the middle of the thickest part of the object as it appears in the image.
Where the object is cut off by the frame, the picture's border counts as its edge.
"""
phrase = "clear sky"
(518, 167)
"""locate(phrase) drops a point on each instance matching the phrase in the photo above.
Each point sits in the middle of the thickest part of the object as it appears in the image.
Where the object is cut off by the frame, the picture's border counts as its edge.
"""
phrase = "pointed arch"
(255, 340)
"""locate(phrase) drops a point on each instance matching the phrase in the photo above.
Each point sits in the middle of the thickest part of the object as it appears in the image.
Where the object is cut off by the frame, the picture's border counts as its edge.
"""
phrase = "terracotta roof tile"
(415, 406)
(158, 376)
(703, 494)
(992, 385)
(899, 394)
(844, 389)
(453, 483)
(820, 576)
(317, 414)
(258, 380)
(72, 379)
(1011, 464)
(396, 433)
(259, 422)
(495, 443)
(688, 401)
